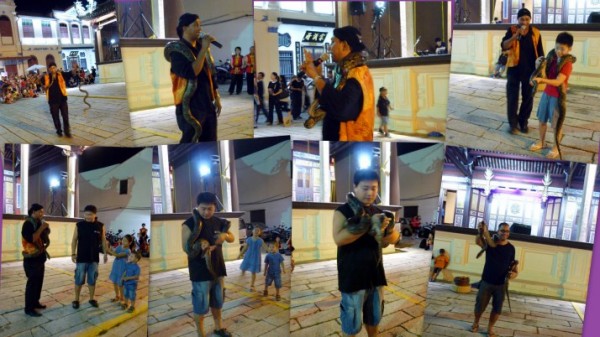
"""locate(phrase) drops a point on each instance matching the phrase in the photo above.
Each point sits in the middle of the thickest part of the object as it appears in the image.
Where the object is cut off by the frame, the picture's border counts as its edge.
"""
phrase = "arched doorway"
(31, 61)
(49, 59)
(6, 32)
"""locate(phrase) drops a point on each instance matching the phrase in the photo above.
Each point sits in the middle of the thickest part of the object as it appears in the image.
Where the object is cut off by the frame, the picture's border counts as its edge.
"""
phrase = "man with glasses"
(499, 257)
(207, 280)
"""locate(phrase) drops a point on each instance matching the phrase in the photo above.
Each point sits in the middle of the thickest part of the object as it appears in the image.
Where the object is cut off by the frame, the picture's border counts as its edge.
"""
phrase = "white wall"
(101, 188)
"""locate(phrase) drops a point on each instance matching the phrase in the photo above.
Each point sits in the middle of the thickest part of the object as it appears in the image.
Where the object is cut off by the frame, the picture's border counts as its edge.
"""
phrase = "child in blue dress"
(130, 278)
(120, 253)
(252, 254)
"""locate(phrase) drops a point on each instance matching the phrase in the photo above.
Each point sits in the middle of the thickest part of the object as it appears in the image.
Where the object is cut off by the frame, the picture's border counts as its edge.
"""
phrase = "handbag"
(284, 94)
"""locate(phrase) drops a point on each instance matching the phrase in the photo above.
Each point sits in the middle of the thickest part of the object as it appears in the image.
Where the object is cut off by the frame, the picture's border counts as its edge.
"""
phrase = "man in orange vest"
(350, 101)
(524, 45)
(56, 93)
(249, 65)
(34, 258)
(237, 71)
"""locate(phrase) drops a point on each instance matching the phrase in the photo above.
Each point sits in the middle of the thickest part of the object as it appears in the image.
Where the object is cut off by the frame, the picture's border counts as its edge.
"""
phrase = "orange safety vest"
(236, 64)
(361, 129)
(61, 84)
(249, 63)
(513, 51)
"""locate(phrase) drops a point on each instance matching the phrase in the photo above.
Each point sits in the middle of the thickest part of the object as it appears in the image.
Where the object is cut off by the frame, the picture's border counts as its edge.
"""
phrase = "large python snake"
(87, 94)
(362, 222)
(190, 86)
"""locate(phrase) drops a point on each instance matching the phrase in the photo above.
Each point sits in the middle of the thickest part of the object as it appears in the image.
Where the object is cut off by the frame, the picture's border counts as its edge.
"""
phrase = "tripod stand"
(141, 18)
(463, 15)
(54, 206)
(378, 38)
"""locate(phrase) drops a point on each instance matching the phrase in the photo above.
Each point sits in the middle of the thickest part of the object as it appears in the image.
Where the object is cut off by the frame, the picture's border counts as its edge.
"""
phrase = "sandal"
(75, 304)
(116, 299)
(130, 310)
(222, 333)
(277, 297)
(474, 327)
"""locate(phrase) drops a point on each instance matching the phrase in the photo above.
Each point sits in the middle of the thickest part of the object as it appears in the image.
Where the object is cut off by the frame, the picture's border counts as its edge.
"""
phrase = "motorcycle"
(223, 70)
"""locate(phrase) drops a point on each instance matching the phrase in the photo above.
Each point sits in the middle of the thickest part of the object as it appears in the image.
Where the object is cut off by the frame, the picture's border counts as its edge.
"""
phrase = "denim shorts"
(205, 294)
(270, 278)
(363, 306)
(547, 108)
(487, 291)
(129, 291)
(89, 269)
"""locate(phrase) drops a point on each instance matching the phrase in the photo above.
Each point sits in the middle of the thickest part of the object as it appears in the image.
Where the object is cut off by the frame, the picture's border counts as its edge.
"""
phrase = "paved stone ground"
(451, 314)
(107, 123)
(245, 313)
(159, 126)
(57, 293)
(297, 131)
(477, 115)
(315, 299)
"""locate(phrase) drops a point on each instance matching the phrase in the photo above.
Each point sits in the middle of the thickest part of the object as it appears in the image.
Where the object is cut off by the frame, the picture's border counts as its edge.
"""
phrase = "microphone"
(213, 42)
(523, 27)
(321, 59)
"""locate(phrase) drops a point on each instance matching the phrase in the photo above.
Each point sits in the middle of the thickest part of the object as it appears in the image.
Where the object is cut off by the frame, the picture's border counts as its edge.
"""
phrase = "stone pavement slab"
(315, 309)
(245, 313)
(451, 314)
(159, 126)
(107, 122)
(59, 318)
(477, 119)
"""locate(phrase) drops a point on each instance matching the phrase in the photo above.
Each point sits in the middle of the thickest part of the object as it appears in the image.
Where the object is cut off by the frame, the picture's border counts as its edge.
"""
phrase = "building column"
(173, 9)
(225, 174)
(235, 197)
(394, 176)
(72, 186)
(584, 211)
(467, 208)
(325, 173)
(267, 45)
(407, 29)
(384, 168)
(24, 176)
(165, 179)
(485, 12)
(98, 44)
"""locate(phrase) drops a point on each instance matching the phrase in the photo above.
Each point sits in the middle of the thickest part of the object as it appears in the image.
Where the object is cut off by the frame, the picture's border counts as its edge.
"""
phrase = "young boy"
(559, 64)
(274, 267)
(259, 100)
(130, 280)
(440, 262)
(383, 108)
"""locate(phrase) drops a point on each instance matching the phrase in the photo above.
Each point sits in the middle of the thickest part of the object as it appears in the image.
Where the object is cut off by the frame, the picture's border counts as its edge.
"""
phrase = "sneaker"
(525, 129)
(130, 310)
(75, 304)
(68, 134)
(59, 133)
(553, 154)
(536, 146)
(40, 306)
(32, 313)
(222, 333)
(93, 303)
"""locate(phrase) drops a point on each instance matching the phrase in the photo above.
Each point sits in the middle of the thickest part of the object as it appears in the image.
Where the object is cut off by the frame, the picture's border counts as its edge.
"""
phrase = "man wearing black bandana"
(350, 101)
(524, 45)
(197, 101)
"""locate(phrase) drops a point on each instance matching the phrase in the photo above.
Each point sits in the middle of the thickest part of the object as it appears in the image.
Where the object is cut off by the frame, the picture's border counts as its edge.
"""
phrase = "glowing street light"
(54, 183)
(364, 161)
(204, 170)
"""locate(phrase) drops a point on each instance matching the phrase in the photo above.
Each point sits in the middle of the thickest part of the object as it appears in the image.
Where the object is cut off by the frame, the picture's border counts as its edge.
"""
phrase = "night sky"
(98, 157)
(45, 7)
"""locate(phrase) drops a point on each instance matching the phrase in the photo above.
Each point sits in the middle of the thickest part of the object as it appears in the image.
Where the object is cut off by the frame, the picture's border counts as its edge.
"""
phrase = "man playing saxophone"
(349, 102)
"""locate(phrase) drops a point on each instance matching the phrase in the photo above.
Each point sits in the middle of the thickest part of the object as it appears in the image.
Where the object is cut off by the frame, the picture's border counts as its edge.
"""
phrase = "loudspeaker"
(520, 229)
(357, 7)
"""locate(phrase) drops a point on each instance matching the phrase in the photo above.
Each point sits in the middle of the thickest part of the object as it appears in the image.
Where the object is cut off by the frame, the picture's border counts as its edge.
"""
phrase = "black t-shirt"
(296, 85)
(55, 96)
(29, 227)
(197, 266)
(260, 87)
(497, 262)
(201, 102)
(275, 86)
(359, 263)
(526, 52)
(89, 238)
(383, 105)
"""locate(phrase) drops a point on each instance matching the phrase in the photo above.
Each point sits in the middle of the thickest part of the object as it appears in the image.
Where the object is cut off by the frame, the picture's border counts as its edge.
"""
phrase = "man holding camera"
(207, 269)
(524, 45)
(498, 269)
(360, 230)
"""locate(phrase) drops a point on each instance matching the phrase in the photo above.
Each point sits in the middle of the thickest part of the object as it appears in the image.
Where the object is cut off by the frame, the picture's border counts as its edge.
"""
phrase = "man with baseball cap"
(349, 102)
(524, 45)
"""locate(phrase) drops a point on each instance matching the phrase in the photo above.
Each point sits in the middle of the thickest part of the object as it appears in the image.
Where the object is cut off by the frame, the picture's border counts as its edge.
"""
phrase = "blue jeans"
(82, 269)
(363, 306)
(205, 294)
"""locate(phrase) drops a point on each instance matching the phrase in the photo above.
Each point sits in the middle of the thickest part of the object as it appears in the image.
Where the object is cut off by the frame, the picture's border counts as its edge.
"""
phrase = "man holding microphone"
(524, 45)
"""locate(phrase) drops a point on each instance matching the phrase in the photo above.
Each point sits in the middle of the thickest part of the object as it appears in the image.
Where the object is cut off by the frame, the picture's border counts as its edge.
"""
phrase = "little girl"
(252, 255)
(120, 253)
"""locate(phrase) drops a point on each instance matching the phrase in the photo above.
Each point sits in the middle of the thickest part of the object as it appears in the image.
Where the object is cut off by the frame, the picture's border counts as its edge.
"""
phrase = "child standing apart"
(251, 253)
(130, 278)
(383, 110)
(440, 262)
(120, 253)
(559, 65)
(273, 268)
